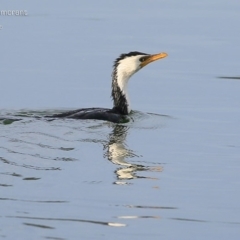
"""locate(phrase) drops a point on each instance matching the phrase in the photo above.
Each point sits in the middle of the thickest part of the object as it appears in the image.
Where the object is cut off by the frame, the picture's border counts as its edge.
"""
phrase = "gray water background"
(173, 174)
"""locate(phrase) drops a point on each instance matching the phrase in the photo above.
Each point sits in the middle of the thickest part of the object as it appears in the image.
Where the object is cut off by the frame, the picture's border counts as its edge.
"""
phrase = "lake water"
(172, 172)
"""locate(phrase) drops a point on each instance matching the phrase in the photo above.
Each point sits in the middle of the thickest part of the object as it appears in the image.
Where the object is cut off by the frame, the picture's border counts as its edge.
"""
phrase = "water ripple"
(36, 201)
(110, 224)
(27, 166)
(150, 207)
(38, 225)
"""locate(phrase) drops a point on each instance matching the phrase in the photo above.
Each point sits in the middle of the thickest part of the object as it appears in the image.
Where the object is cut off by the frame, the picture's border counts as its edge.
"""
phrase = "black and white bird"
(124, 67)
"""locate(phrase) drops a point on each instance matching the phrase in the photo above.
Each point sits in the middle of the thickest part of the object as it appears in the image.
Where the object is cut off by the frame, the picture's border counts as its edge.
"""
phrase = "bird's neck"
(120, 92)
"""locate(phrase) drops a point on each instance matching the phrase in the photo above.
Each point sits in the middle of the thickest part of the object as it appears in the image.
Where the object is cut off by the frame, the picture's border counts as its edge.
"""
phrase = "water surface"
(172, 172)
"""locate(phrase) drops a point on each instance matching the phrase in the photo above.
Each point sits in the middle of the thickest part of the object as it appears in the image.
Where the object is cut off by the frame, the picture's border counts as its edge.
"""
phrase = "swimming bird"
(124, 67)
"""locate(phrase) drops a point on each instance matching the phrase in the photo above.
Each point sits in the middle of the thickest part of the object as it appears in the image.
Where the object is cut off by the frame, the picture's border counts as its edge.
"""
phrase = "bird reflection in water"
(118, 152)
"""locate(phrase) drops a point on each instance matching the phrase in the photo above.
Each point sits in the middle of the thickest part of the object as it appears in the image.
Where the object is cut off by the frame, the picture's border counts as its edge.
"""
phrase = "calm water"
(172, 172)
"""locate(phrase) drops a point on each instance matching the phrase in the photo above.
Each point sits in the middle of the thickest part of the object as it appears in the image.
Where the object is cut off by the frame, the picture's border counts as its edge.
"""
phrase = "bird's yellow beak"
(152, 58)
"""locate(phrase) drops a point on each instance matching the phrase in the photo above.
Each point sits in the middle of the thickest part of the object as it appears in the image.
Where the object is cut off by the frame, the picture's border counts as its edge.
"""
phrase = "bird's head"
(129, 63)
(124, 67)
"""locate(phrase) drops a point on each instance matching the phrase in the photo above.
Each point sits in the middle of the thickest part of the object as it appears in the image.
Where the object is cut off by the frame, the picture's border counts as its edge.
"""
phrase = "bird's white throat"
(125, 68)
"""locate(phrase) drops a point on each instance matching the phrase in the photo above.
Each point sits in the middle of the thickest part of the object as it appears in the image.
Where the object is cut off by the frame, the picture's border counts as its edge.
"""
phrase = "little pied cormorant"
(124, 67)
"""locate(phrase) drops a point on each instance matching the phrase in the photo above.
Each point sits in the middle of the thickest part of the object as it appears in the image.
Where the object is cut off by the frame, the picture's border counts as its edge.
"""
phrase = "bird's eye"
(142, 59)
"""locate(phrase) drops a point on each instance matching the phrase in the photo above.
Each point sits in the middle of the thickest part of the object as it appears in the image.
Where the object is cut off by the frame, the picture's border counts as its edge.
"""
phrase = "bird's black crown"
(125, 55)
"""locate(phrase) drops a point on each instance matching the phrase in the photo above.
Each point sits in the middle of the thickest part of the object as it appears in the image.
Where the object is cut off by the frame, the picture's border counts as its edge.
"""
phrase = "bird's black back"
(105, 114)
